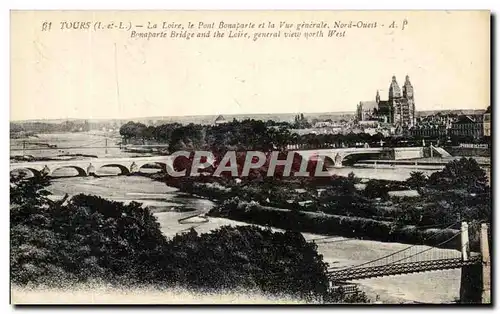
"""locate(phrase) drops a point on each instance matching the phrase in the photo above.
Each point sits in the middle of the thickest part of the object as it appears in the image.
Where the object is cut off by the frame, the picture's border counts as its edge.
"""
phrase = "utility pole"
(106, 145)
(24, 147)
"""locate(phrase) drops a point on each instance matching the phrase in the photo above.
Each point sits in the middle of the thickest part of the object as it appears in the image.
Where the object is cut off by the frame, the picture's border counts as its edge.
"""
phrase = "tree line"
(44, 127)
(247, 135)
(259, 135)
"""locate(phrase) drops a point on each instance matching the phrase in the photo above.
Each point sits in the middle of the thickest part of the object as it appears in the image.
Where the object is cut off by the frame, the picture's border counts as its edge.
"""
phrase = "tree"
(461, 174)
(132, 130)
(417, 180)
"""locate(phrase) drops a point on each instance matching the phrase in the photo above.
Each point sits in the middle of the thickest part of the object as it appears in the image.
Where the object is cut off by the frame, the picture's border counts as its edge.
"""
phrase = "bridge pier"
(133, 168)
(465, 241)
(337, 161)
(486, 266)
(475, 281)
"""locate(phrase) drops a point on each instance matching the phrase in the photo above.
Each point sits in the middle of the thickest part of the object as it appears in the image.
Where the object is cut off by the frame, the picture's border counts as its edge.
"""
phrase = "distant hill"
(209, 119)
(205, 119)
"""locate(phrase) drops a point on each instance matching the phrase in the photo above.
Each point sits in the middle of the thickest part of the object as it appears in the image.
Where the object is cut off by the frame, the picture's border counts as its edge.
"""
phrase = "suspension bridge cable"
(394, 253)
(444, 242)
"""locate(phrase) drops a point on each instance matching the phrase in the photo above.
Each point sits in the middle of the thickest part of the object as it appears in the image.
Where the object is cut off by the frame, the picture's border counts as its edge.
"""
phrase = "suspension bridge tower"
(475, 281)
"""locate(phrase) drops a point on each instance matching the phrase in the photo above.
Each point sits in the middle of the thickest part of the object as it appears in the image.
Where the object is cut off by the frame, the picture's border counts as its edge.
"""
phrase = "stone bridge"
(88, 166)
(129, 165)
(339, 155)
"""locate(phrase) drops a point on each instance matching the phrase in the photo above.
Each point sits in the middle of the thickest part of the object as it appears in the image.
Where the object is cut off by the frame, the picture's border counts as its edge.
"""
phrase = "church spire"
(377, 97)
(394, 90)
(407, 80)
(407, 88)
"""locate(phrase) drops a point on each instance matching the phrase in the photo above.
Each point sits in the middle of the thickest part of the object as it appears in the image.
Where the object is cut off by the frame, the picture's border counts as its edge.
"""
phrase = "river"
(166, 202)
(169, 205)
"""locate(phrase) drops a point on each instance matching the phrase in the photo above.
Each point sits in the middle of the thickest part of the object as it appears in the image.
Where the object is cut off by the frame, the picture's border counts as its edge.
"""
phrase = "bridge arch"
(33, 171)
(81, 171)
(352, 157)
(124, 170)
(154, 165)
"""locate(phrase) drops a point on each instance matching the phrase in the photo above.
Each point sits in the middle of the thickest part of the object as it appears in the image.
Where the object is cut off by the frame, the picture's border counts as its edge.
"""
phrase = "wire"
(402, 250)
(444, 242)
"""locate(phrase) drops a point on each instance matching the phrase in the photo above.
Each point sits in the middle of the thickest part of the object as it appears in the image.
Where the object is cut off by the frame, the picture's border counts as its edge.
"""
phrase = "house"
(487, 122)
(467, 126)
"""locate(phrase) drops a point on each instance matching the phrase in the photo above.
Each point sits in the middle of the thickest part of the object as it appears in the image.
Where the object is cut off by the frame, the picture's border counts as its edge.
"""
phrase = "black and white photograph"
(250, 157)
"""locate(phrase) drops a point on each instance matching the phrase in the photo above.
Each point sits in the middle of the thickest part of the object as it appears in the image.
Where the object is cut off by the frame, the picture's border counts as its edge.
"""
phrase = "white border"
(492, 5)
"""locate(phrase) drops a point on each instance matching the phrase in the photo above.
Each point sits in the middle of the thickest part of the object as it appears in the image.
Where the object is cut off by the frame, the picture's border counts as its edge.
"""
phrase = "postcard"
(250, 157)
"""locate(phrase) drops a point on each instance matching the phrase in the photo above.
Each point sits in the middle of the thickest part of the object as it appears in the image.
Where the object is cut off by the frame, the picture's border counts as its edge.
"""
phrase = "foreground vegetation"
(87, 238)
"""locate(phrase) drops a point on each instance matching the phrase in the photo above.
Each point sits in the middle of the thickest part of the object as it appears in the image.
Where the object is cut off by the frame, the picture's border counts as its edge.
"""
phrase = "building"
(367, 111)
(398, 109)
(438, 119)
(467, 127)
(429, 130)
(220, 120)
(487, 122)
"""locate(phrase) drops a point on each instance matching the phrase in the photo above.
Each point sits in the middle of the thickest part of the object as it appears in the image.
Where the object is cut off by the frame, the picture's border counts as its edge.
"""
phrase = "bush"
(250, 257)
(376, 189)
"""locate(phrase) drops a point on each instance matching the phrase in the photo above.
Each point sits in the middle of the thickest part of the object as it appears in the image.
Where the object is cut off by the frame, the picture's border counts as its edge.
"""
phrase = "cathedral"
(398, 110)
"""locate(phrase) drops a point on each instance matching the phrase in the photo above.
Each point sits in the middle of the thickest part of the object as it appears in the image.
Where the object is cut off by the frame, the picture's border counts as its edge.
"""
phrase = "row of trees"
(244, 135)
(338, 225)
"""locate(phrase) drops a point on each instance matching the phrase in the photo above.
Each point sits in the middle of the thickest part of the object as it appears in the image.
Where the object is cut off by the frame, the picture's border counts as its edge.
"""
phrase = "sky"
(109, 75)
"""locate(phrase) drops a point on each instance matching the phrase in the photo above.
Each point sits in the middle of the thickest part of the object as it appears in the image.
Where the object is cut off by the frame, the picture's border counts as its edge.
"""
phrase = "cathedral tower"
(402, 103)
(394, 90)
(408, 95)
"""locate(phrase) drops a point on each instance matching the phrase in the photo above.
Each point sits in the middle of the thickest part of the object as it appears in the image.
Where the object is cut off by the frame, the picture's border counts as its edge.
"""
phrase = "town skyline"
(465, 111)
